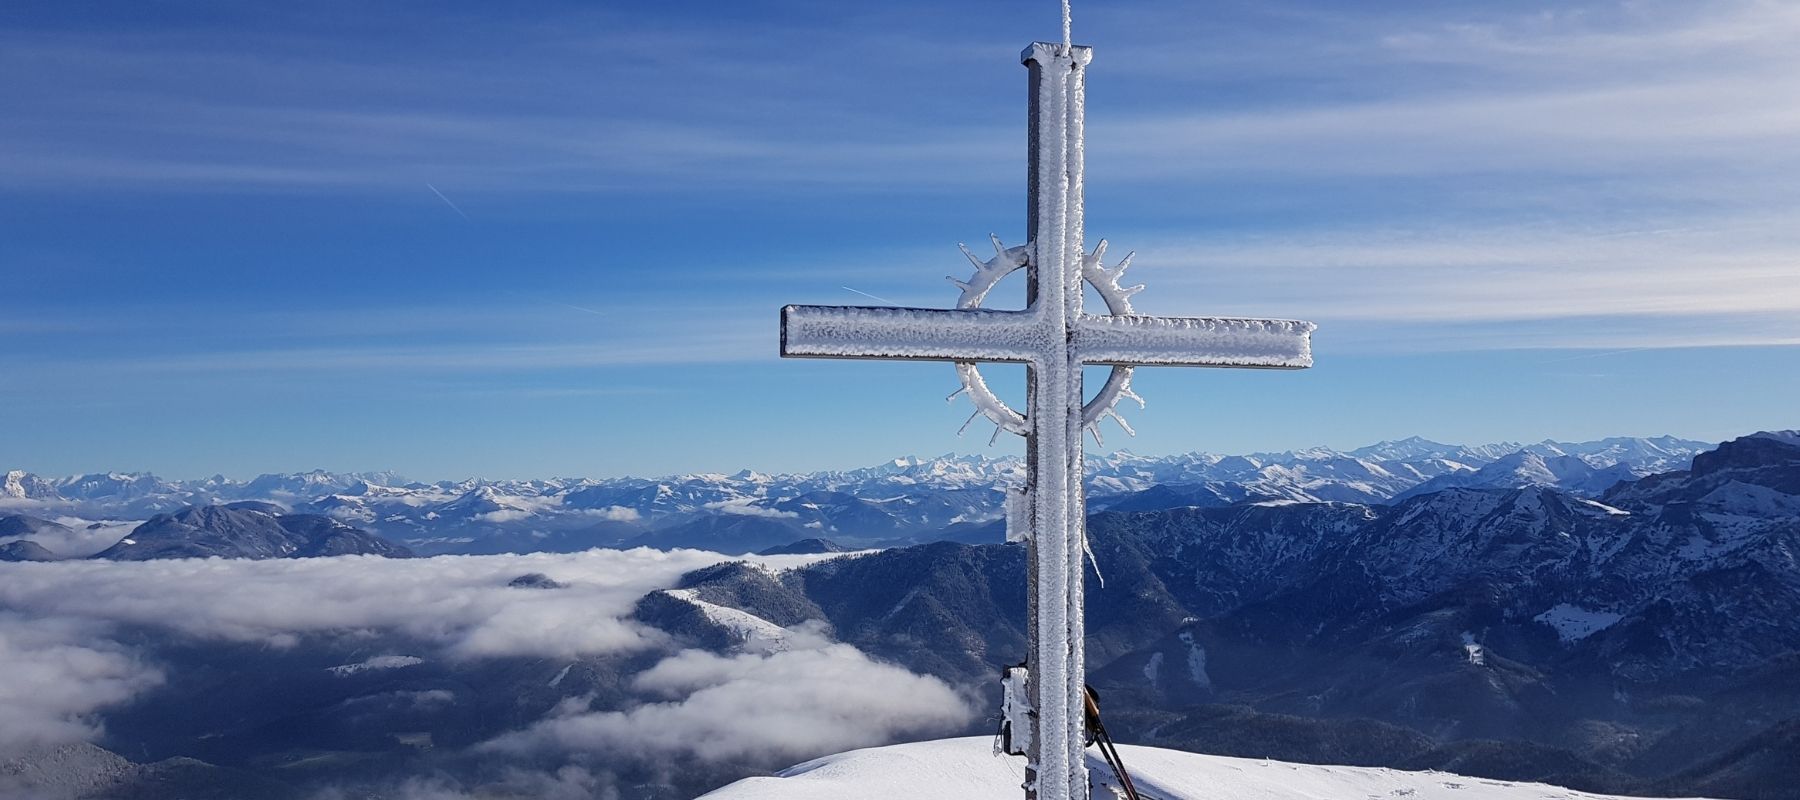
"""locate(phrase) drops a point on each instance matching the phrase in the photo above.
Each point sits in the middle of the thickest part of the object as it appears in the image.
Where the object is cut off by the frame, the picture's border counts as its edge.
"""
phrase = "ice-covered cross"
(1055, 339)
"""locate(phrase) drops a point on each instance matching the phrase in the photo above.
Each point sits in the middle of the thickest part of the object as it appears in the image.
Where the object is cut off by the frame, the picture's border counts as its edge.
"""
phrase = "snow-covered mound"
(967, 769)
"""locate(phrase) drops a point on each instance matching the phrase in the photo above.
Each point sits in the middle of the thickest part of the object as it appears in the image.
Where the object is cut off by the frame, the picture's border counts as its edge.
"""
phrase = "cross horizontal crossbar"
(1194, 341)
(934, 334)
(931, 334)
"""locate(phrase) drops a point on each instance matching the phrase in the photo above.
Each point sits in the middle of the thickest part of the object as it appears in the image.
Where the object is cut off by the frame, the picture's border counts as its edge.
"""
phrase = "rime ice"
(1055, 338)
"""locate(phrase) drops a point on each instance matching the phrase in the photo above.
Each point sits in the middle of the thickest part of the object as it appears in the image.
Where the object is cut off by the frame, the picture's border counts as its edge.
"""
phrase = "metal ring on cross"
(1118, 302)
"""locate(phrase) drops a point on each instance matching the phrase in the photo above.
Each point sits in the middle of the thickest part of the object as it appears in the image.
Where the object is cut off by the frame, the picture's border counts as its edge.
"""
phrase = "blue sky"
(516, 240)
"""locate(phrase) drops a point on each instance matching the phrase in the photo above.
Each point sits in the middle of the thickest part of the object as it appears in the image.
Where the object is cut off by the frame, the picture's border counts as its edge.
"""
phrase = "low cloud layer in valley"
(72, 537)
(80, 640)
(815, 697)
(59, 672)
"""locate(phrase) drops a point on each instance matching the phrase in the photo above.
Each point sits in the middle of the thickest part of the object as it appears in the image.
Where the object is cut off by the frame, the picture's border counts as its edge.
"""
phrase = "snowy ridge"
(967, 769)
(376, 663)
(904, 497)
(744, 625)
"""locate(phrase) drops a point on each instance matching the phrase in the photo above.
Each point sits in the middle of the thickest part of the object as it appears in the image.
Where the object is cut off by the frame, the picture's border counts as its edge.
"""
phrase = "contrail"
(1601, 355)
(870, 296)
(577, 308)
(532, 298)
(459, 212)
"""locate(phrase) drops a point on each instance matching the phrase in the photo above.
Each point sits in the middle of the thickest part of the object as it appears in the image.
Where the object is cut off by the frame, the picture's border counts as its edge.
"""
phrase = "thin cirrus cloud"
(464, 358)
(1426, 178)
(1575, 91)
(1746, 120)
(517, 337)
(1476, 274)
(1580, 113)
(172, 111)
(1740, 275)
(1649, 36)
(1672, 107)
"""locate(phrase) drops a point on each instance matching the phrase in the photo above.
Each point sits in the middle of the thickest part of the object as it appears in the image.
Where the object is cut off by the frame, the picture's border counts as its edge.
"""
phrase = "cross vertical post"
(1054, 468)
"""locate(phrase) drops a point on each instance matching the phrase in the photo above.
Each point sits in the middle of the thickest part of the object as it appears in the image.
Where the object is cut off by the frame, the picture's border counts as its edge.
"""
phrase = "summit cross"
(1054, 338)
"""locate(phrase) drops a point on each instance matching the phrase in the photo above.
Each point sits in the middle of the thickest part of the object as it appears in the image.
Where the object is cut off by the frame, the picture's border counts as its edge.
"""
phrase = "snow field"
(967, 769)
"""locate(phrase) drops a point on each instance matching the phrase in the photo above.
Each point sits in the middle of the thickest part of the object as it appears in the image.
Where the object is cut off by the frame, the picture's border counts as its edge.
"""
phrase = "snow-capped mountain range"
(906, 499)
(1641, 642)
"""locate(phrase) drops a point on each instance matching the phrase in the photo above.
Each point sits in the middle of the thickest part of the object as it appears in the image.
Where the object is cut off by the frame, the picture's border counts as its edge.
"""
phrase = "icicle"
(1094, 428)
(1126, 391)
(968, 422)
(1092, 562)
(963, 285)
(996, 436)
(999, 249)
(1121, 420)
(979, 264)
(960, 390)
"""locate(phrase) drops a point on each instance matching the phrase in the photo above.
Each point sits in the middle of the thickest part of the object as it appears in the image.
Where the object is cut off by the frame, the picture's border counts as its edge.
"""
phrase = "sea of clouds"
(811, 696)
(72, 646)
(82, 538)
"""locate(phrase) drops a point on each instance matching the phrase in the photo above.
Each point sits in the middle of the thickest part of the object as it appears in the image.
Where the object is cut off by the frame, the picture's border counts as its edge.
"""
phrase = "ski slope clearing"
(967, 769)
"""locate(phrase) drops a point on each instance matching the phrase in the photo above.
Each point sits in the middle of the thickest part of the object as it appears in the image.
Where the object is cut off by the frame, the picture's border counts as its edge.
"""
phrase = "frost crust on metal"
(1055, 338)
(1194, 341)
(974, 334)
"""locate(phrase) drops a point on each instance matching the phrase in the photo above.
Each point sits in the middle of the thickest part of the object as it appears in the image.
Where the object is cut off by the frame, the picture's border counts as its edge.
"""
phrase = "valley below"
(1617, 617)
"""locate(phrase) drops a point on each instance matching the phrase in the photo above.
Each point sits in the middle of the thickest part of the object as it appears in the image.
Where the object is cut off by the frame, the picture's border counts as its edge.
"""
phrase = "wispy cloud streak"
(453, 206)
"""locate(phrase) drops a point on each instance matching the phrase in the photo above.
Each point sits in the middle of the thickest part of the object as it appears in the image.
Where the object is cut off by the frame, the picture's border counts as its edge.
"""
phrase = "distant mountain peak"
(1790, 437)
(248, 529)
(22, 485)
(25, 550)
